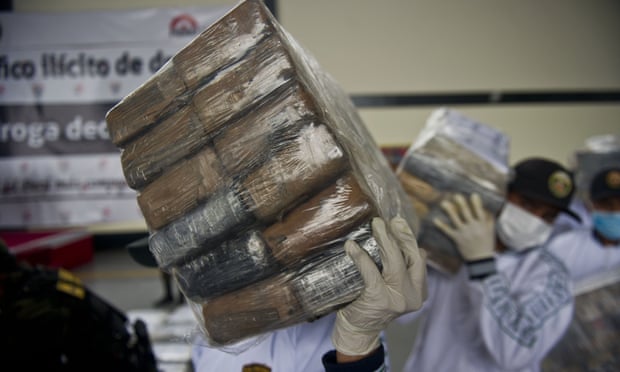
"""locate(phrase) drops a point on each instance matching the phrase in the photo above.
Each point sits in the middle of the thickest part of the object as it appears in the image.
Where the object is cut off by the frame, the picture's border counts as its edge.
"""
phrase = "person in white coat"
(592, 250)
(511, 302)
(350, 339)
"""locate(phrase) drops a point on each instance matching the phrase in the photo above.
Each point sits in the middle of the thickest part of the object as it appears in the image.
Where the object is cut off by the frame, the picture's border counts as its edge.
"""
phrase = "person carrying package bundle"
(452, 154)
(253, 170)
(599, 152)
(511, 301)
(592, 255)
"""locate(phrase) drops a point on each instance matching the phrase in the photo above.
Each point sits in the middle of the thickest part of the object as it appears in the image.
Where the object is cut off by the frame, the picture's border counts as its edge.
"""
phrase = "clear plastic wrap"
(600, 152)
(253, 168)
(452, 154)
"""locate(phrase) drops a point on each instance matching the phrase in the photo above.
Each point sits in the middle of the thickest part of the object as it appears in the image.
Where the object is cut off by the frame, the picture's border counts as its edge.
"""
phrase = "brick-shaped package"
(253, 168)
(452, 154)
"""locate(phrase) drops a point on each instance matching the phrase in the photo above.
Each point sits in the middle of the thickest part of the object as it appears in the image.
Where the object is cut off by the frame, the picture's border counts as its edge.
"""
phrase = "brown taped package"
(310, 161)
(250, 141)
(177, 136)
(171, 87)
(273, 132)
(223, 43)
(237, 89)
(142, 108)
(183, 188)
(419, 189)
(258, 308)
(320, 221)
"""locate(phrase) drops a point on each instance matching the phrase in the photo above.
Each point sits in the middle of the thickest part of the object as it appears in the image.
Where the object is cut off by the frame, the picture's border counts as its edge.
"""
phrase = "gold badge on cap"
(612, 179)
(560, 184)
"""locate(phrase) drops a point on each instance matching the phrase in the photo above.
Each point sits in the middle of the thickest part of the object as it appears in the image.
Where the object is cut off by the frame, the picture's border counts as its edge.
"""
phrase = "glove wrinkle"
(399, 288)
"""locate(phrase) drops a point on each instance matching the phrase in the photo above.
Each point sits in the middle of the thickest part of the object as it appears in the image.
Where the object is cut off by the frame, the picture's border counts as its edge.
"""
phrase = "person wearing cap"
(594, 250)
(511, 301)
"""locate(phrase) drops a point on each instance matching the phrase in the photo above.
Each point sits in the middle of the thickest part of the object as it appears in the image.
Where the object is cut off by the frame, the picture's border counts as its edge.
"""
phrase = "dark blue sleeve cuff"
(480, 269)
(372, 363)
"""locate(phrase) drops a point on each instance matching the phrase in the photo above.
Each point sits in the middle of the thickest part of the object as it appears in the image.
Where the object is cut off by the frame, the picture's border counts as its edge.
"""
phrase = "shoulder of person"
(570, 237)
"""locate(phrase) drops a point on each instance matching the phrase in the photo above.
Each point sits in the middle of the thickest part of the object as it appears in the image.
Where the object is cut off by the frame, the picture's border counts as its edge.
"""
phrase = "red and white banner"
(59, 75)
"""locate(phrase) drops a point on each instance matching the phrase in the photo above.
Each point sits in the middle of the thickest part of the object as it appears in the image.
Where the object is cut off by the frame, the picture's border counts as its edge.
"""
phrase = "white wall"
(425, 46)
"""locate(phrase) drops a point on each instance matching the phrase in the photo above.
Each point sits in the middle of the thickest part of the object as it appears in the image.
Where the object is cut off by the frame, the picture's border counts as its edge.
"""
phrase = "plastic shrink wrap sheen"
(452, 154)
(600, 152)
(252, 168)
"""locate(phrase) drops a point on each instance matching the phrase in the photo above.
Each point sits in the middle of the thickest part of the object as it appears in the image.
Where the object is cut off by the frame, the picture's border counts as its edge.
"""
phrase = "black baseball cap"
(545, 181)
(605, 184)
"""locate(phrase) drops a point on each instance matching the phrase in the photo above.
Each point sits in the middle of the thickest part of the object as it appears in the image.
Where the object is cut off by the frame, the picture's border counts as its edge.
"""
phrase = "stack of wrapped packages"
(452, 154)
(252, 168)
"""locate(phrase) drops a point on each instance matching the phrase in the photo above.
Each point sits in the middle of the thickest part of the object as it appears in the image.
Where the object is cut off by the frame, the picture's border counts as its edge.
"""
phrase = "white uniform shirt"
(297, 348)
(506, 322)
(564, 222)
(583, 254)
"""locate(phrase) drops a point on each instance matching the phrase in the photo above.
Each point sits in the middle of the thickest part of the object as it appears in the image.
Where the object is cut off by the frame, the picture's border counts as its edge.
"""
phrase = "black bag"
(50, 322)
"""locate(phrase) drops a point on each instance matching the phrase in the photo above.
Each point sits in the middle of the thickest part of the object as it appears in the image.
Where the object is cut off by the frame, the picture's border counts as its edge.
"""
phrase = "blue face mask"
(607, 224)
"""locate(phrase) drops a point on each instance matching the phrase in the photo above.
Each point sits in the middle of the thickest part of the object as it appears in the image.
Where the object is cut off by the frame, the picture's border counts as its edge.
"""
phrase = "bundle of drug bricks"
(452, 154)
(253, 168)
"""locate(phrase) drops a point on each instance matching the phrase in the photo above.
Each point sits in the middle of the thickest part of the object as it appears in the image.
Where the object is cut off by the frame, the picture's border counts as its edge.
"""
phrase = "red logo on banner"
(183, 25)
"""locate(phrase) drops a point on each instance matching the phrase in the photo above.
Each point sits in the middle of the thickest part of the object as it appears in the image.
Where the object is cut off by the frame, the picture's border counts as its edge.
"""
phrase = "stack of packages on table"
(252, 168)
(452, 154)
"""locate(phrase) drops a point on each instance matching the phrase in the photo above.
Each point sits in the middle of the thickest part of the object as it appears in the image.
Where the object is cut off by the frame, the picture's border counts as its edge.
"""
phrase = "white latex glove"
(400, 289)
(473, 227)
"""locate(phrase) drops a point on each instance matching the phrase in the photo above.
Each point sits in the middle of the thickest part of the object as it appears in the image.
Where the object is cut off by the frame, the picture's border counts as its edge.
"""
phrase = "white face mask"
(518, 229)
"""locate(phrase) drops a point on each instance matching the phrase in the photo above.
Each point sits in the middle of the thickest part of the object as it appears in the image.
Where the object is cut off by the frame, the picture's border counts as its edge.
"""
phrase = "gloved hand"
(473, 227)
(401, 288)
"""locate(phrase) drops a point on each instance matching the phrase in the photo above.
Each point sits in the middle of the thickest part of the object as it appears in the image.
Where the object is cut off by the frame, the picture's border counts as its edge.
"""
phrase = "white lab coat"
(506, 322)
(297, 348)
(583, 254)
(564, 222)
